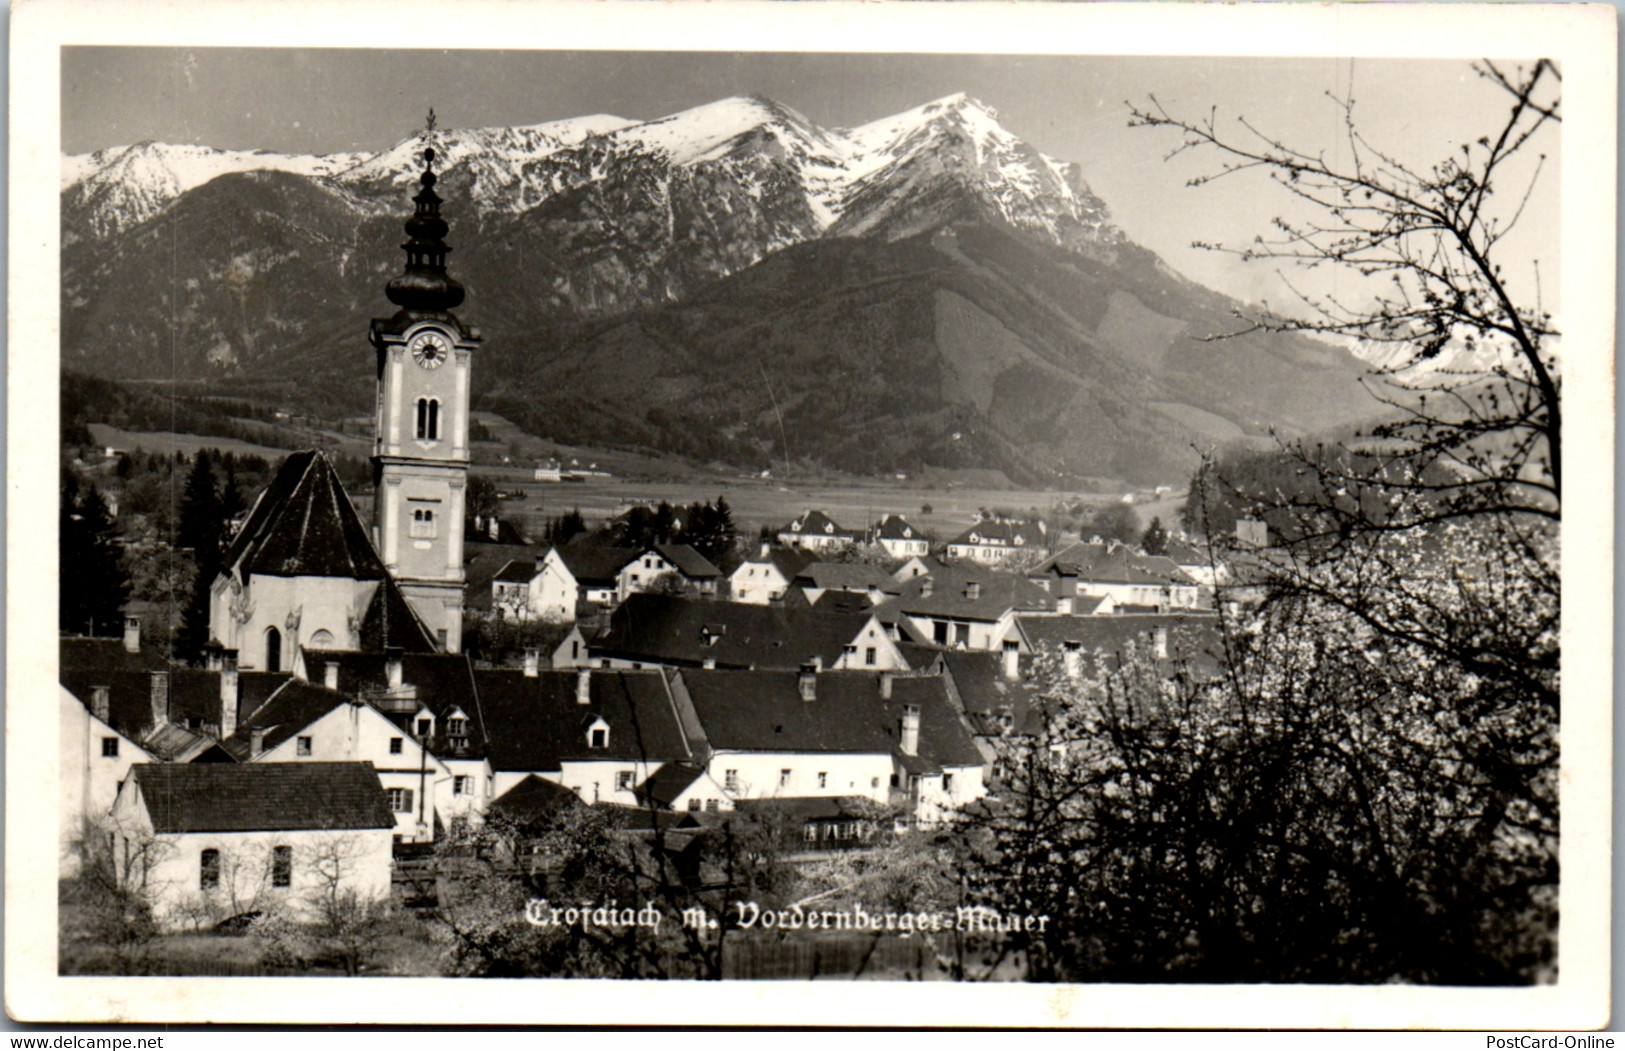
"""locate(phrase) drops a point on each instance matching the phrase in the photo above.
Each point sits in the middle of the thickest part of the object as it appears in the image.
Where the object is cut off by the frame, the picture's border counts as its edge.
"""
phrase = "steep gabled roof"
(1002, 534)
(848, 576)
(78, 653)
(535, 722)
(304, 525)
(534, 800)
(262, 797)
(667, 783)
(518, 571)
(966, 591)
(787, 560)
(668, 629)
(390, 621)
(1192, 637)
(292, 708)
(688, 561)
(482, 562)
(894, 527)
(594, 559)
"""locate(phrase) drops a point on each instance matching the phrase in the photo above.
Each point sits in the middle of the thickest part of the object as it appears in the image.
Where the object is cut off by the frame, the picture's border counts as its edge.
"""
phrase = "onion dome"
(425, 287)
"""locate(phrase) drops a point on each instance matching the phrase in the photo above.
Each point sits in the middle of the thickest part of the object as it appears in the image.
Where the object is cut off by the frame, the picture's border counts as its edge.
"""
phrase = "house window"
(423, 523)
(302, 747)
(784, 779)
(395, 746)
(600, 737)
(869, 656)
(109, 747)
(711, 806)
(811, 832)
(281, 866)
(428, 419)
(459, 785)
(457, 727)
(623, 780)
(939, 632)
(823, 779)
(424, 726)
(874, 782)
(730, 780)
(694, 804)
(948, 784)
(400, 800)
(209, 869)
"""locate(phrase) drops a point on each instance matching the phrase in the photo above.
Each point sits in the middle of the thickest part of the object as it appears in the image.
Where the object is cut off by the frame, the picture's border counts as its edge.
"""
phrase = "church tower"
(420, 456)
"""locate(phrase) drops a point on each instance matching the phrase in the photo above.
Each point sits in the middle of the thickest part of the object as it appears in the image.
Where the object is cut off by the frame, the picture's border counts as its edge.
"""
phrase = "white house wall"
(846, 774)
(90, 780)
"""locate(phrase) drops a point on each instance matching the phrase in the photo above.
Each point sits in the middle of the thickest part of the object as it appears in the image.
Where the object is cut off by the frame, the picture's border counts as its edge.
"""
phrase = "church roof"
(390, 621)
(303, 525)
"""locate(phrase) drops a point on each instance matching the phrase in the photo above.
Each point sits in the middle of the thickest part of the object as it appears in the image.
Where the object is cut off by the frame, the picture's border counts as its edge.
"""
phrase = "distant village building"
(965, 606)
(594, 571)
(765, 576)
(900, 539)
(1112, 570)
(816, 531)
(991, 541)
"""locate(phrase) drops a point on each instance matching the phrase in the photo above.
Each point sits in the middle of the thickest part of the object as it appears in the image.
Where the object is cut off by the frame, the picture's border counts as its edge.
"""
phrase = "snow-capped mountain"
(114, 189)
(924, 289)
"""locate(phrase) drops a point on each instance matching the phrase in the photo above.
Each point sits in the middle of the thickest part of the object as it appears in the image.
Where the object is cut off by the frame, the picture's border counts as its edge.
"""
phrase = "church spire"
(425, 287)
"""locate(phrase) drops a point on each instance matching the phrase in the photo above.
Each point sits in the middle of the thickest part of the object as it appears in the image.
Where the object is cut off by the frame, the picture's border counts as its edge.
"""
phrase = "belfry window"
(423, 523)
(428, 419)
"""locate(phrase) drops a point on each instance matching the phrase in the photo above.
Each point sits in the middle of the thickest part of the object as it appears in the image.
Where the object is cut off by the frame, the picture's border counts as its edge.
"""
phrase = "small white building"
(203, 842)
(900, 539)
(991, 541)
(816, 531)
(765, 576)
(93, 760)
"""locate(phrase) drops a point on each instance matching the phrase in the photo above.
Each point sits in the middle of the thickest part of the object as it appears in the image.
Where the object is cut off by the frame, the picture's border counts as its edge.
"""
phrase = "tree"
(1116, 521)
(1154, 541)
(1429, 241)
(93, 582)
(200, 533)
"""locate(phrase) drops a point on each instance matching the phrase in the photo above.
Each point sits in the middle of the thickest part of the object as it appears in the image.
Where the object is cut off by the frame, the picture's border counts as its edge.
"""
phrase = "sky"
(1073, 107)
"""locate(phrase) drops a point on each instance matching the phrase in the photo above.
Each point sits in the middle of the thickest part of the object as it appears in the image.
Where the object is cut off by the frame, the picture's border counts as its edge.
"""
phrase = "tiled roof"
(668, 629)
(948, 592)
(1002, 534)
(1192, 637)
(848, 576)
(1111, 564)
(444, 681)
(292, 708)
(893, 527)
(77, 653)
(518, 571)
(534, 799)
(817, 523)
(763, 711)
(129, 697)
(667, 783)
(988, 700)
(262, 797)
(787, 560)
(688, 561)
(482, 562)
(390, 621)
(534, 723)
(595, 559)
(304, 525)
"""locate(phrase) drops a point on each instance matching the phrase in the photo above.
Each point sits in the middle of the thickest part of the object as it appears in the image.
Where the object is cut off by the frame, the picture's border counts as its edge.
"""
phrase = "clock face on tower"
(429, 350)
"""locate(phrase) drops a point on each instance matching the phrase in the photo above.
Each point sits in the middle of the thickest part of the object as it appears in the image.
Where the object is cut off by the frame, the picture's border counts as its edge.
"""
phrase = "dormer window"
(598, 734)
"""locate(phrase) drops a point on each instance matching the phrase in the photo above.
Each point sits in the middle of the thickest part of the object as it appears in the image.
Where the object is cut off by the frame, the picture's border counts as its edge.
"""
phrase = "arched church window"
(322, 640)
(273, 650)
(428, 419)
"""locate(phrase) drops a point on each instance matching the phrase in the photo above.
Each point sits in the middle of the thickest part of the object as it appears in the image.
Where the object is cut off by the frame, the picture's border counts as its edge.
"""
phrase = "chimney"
(213, 656)
(1159, 639)
(392, 667)
(1012, 660)
(492, 529)
(973, 589)
(330, 675)
(910, 744)
(885, 685)
(1073, 656)
(533, 662)
(229, 693)
(160, 698)
(256, 743)
(807, 681)
(584, 686)
(1063, 605)
(765, 547)
(710, 664)
(132, 633)
(100, 706)
(926, 587)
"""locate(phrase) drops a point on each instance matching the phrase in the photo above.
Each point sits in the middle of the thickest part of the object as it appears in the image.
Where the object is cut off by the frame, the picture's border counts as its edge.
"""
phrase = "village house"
(1109, 569)
(816, 531)
(992, 540)
(219, 840)
(963, 606)
(900, 539)
(766, 575)
(600, 734)
(892, 739)
(93, 761)
(594, 571)
(670, 631)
